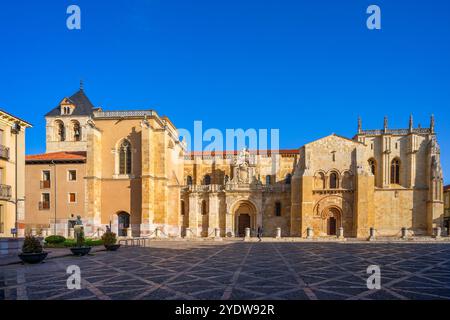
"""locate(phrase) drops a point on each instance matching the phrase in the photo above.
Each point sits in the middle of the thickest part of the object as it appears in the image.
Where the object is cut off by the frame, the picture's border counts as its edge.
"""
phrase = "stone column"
(193, 214)
(213, 221)
(188, 233)
(278, 233)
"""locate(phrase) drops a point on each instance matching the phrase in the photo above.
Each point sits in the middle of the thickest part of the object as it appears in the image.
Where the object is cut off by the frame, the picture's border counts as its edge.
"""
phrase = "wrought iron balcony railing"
(44, 205)
(45, 184)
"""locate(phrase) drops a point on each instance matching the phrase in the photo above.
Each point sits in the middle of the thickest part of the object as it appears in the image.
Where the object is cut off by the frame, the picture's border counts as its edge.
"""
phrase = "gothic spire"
(359, 124)
(385, 126)
(410, 122)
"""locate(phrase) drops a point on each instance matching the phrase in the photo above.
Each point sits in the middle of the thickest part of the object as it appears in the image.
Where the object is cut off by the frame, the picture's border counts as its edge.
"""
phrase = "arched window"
(125, 158)
(268, 180)
(189, 180)
(207, 179)
(204, 208)
(395, 171)
(76, 131)
(319, 181)
(333, 180)
(288, 178)
(373, 166)
(60, 131)
(182, 208)
(278, 209)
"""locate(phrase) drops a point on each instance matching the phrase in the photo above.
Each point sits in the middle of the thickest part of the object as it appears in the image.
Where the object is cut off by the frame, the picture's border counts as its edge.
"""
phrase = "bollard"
(129, 233)
(404, 234)
(372, 234)
(341, 233)
(309, 233)
(278, 233)
(247, 234)
(217, 234)
(71, 233)
(157, 235)
(437, 233)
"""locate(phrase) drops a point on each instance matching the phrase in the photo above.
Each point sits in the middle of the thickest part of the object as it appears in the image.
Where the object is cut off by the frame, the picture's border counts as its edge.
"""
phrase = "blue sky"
(308, 68)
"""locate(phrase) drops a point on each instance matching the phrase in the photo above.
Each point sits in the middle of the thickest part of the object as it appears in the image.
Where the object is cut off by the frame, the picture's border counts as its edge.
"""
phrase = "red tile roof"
(447, 187)
(57, 156)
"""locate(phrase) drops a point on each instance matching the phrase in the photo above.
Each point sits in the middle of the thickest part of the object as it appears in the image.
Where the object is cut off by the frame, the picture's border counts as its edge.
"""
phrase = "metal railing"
(4, 152)
(44, 205)
(45, 184)
(5, 192)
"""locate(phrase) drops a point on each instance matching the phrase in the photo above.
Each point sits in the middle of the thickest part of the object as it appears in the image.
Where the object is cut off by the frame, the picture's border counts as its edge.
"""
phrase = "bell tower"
(66, 123)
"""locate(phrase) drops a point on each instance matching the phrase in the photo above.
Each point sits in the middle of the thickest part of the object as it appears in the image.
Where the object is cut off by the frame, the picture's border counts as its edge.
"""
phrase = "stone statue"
(79, 231)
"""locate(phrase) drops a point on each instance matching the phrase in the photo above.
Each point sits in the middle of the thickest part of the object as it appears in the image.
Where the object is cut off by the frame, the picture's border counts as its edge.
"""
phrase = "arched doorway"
(331, 226)
(332, 217)
(244, 217)
(123, 223)
(243, 222)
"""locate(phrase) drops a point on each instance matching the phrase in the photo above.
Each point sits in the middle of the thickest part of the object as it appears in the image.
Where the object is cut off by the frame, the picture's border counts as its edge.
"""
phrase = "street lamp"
(15, 130)
(54, 178)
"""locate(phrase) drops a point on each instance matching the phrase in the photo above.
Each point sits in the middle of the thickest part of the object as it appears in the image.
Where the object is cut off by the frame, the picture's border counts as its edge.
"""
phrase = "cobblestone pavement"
(239, 270)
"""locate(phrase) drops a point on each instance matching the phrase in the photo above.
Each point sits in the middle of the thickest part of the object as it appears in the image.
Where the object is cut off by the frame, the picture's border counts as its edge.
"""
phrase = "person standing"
(259, 233)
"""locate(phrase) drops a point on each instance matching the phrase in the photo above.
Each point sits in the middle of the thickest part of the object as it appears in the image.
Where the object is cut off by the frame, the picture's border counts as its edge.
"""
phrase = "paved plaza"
(239, 270)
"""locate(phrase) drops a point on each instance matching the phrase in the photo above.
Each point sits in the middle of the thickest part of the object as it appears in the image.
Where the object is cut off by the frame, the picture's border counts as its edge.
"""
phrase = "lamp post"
(54, 175)
(15, 130)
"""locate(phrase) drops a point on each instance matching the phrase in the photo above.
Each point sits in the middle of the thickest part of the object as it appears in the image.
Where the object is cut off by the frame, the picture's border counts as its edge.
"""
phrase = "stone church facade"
(137, 177)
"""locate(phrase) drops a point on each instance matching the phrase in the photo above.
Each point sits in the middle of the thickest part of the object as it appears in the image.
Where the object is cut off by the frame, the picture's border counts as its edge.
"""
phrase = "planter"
(33, 258)
(80, 251)
(112, 247)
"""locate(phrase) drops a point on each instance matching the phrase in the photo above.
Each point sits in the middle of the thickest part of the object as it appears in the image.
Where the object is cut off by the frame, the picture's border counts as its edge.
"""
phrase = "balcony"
(45, 184)
(4, 152)
(5, 192)
(44, 205)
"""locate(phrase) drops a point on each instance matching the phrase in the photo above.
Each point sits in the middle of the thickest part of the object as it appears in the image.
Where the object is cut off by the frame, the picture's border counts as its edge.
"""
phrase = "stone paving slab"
(231, 270)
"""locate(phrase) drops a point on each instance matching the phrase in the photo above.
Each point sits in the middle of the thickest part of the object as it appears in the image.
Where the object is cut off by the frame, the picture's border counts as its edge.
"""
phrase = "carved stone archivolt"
(332, 201)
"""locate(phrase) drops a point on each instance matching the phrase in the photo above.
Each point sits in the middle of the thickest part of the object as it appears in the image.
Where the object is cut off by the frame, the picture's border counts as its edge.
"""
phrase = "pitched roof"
(74, 156)
(447, 187)
(83, 106)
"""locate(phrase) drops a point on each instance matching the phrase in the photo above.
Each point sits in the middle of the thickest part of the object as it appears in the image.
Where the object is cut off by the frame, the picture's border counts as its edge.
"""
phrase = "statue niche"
(243, 168)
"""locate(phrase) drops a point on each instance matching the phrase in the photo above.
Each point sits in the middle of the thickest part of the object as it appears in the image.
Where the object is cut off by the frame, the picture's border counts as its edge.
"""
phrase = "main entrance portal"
(244, 216)
(243, 222)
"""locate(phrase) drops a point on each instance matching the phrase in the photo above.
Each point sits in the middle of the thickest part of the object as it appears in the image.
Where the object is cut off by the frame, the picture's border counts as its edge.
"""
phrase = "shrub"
(109, 238)
(31, 244)
(55, 239)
